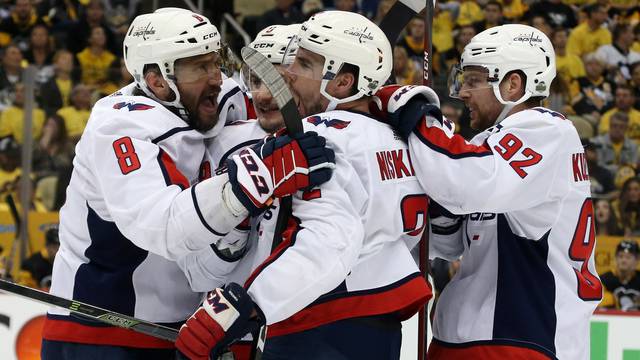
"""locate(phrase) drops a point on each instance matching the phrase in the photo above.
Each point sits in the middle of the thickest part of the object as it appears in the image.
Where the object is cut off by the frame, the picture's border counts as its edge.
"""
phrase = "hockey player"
(343, 278)
(264, 117)
(137, 228)
(527, 283)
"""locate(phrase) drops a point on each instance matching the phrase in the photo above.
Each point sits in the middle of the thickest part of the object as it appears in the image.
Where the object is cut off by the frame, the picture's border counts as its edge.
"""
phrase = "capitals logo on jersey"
(132, 106)
(334, 123)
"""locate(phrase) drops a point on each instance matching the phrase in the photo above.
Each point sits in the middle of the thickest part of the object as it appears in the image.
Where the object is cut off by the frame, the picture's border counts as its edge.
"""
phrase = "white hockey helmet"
(161, 38)
(511, 47)
(346, 37)
(273, 40)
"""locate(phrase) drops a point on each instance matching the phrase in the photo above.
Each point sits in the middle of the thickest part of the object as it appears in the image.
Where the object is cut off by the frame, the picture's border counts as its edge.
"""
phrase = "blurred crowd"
(75, 46)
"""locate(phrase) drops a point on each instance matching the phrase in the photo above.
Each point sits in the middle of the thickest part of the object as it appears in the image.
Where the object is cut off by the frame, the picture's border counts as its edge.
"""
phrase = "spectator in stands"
(442, 28)
(635, 82)
(622, 286)
(92, 16)
(469, 12)
(618, 56)
(40, 53)
(569, 66)
(10, 157)
(404, 69)
(12, 118)
(60, 15)
(624, 101)
(346, 5)
(462, 36)
(285, 13)
(95, 60)
(383, 8)
(54, 152)
(627, 207)
(17, 27)
(452, 113)
(118, 14)
(54, 94)
(590, 35)
(312, 7)
(605, 221)
(541, 23)
(614, 148)
(413, 42)
(76, 115)
(492, 16)
(592, 93)
(38, 267)
(119, 77)
(513, 10)
(10, 74)
(559, 98)
(557, 13)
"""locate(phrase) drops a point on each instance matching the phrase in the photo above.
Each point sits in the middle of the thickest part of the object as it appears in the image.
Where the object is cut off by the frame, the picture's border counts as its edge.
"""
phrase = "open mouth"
(209, 102)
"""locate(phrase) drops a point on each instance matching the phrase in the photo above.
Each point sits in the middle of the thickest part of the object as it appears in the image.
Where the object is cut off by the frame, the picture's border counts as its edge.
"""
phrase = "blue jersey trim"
(204, 222)
(171, 133)
(107, 279)
(526, 289)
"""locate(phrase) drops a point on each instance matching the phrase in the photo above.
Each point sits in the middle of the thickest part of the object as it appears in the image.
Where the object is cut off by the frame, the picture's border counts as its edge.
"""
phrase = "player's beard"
(204, 114)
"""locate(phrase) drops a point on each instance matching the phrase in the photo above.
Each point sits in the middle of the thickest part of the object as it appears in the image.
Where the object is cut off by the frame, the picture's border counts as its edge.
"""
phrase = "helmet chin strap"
(508, 105)
(333, 101)
(175, 103)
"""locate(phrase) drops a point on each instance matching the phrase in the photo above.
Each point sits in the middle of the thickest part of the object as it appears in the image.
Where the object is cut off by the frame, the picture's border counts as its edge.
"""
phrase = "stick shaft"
(92, 312)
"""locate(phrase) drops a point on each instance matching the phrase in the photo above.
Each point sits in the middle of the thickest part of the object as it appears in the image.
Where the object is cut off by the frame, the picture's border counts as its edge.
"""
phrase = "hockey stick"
(92, 312)
(398, 17)
(427, 79)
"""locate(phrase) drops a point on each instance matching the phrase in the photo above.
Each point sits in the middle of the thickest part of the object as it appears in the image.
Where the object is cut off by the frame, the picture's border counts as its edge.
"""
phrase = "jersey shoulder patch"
(132, 106)
(327, 121)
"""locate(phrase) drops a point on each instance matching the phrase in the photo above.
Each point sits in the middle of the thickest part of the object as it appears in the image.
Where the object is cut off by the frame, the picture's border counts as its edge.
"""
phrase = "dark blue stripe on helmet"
(107, 279)
(526, 290)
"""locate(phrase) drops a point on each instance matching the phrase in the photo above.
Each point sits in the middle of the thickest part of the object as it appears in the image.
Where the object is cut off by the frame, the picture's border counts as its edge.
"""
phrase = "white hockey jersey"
(346, 252)
(132, 233)
(527, 279)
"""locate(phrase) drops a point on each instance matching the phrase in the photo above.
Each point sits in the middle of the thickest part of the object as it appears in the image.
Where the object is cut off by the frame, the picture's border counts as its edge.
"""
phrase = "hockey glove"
(403, 107)
(279, 166)
(225, 316)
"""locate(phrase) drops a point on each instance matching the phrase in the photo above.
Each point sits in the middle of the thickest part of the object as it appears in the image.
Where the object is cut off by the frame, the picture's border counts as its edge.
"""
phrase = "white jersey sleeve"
(502, 169)
(143, 190)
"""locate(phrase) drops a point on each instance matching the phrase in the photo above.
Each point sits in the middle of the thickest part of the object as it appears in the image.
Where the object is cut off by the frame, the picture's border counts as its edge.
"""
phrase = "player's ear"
(344, 83)
(512, 86)
(158, 85)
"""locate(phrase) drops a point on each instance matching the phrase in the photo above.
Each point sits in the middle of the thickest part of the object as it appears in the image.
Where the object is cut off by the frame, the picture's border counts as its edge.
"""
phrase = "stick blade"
(272, 79)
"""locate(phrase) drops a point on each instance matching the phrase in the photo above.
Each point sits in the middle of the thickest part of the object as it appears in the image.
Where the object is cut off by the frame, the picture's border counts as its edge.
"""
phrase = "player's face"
(477, 94)
(199, 80)
(267, 110)
(626, 261)
(304, 78)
